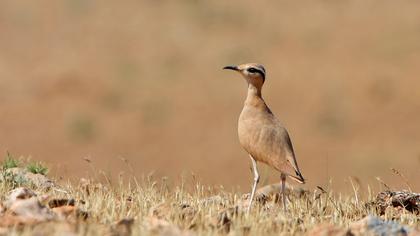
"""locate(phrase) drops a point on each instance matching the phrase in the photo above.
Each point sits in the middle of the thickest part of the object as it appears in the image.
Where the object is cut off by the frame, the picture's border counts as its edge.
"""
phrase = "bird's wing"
(291, 159)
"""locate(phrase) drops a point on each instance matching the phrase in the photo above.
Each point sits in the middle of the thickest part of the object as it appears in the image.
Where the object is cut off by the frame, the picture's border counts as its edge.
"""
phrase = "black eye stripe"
(254, 70)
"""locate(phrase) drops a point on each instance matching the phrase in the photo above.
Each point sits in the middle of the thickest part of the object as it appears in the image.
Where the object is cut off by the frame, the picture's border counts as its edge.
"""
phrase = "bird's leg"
(256, 180)
(283, 189)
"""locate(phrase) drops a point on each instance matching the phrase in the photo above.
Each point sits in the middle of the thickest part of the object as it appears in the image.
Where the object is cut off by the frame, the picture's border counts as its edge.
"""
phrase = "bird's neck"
(254, 95)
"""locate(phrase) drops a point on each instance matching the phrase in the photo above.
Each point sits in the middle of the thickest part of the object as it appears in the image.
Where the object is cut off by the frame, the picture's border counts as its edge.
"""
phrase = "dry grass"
(191, 208)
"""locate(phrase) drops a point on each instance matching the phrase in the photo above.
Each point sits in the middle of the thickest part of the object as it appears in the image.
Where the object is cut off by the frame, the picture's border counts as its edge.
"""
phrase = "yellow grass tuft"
(150, 206)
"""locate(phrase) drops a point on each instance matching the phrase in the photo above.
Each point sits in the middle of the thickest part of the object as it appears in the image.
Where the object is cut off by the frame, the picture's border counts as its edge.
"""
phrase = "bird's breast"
(261, 135)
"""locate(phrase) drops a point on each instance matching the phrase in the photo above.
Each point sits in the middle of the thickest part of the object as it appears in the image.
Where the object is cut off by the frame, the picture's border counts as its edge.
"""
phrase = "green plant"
(37, 168)
(10, 162)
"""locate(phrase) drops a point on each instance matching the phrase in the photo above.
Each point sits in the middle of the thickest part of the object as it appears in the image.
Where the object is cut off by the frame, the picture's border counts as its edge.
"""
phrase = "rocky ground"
(31, 203)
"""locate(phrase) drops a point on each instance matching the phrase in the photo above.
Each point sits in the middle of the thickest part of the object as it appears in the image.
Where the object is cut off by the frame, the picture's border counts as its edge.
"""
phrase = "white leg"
(283, 189)
(256, 180)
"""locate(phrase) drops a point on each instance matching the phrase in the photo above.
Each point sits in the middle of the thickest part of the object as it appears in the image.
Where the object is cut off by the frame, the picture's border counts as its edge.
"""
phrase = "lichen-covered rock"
(372, 225)
(270, 195)
(400, 199)
(31, 210)
(18, 194)
(39, 180)
(24, 207)
(22, 176)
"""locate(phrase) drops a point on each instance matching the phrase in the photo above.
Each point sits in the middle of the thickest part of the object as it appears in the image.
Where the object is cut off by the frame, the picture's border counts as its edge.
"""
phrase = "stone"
(61, 202)
(372, 225)
(18, 194)
(31, 210)
(407, 200)
(329, 230)
(23, 176)
(39, 180)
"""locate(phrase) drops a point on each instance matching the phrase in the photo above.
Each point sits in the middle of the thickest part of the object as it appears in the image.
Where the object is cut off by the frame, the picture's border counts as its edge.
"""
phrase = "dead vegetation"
(150, 206)
(107, 79)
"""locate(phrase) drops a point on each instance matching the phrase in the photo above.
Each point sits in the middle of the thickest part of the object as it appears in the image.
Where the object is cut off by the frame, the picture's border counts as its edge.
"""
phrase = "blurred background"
(141, 81)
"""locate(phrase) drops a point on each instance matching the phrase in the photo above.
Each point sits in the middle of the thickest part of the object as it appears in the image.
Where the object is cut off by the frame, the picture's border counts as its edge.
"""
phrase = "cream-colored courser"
(261, 134)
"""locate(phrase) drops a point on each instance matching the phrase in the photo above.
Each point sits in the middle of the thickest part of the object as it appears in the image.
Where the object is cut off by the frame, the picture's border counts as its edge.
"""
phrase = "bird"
(262, 135)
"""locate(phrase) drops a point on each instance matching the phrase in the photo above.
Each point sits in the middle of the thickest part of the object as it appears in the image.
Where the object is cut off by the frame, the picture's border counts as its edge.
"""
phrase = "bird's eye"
(252, 70)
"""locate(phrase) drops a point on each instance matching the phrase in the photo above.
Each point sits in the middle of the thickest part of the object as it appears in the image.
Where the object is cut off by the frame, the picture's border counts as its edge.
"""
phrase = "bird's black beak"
(231, 68)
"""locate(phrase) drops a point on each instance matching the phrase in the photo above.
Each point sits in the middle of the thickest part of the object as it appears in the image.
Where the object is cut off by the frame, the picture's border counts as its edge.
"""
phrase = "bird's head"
(253, 73)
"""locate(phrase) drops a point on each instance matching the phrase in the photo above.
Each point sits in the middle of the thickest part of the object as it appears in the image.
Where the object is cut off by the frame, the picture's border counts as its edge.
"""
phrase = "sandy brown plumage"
(261, 134)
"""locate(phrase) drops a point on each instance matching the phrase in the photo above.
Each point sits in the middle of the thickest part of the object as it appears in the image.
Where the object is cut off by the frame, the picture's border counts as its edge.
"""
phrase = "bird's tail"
(298, 178)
